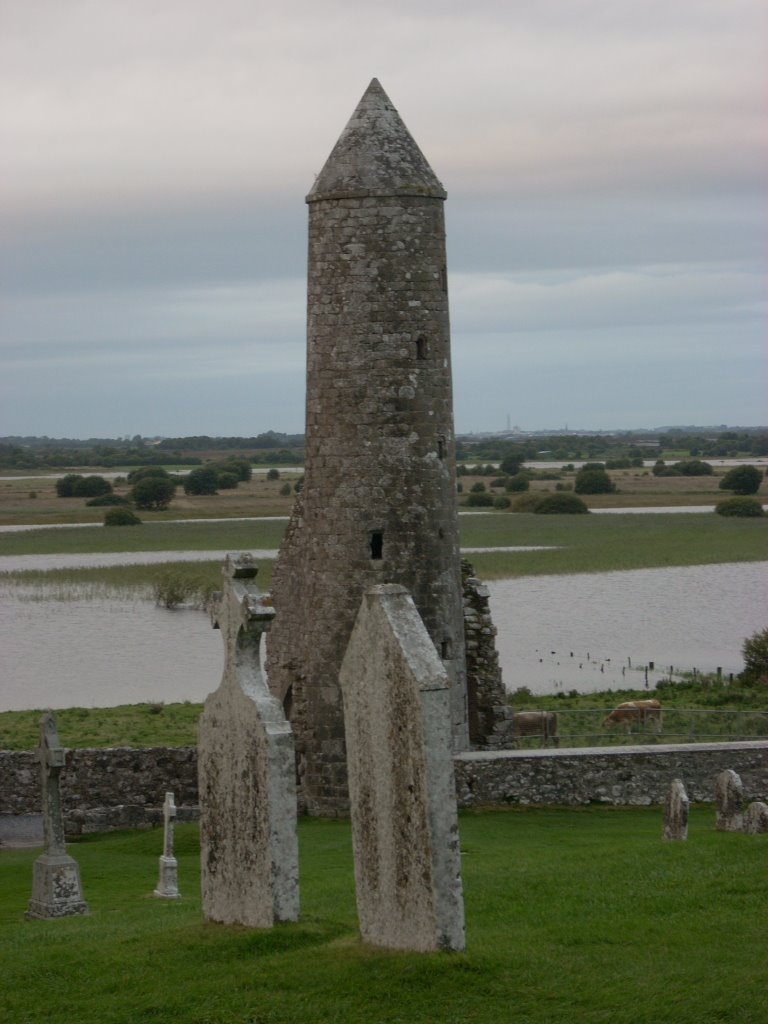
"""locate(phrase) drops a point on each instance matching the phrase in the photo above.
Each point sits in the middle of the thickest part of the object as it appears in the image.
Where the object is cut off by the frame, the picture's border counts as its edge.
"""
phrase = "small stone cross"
(167, 887)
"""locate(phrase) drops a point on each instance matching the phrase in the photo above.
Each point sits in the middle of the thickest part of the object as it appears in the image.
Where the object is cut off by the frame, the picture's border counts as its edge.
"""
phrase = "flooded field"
(584, 632)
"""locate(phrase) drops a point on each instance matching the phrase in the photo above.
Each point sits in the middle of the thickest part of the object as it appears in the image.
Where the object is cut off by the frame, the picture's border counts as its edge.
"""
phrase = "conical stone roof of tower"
(375, 155)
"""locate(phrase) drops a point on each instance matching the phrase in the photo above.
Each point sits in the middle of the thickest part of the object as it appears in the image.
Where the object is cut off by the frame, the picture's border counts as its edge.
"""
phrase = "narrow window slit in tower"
(440, 446)
(446, 650)
(377, 544)
(421, 347)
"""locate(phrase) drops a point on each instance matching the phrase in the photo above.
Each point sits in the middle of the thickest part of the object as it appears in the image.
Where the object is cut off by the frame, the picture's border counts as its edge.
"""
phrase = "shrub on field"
(121, 516)
(459, 487)
(517, 483)
(693, 467)
(91, 487)
(65, 486)
(479, 499)
(227, 481)
(273, 474)
(688, 467)
(145, 471)
(501, 501)
(560, 504)
(299, 485)
(622, 463)
(511, 463)
(75, 485)
(499, 481)
(204, 480)
(241, 468)
(563, 487)
(153, 492)
(742, 480)
(107, 499)
(285, 490)
(477, 488)
(594, 481)
(748, 507)
(755, 652)
(526, 502)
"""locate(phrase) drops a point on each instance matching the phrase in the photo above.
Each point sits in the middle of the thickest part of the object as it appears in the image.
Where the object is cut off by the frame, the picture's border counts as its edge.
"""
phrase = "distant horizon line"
(508, 433)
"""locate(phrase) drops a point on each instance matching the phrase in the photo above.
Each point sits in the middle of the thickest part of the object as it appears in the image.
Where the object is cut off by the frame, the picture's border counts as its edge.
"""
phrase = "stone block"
(676, 812)
(756, 818)
(729, 796)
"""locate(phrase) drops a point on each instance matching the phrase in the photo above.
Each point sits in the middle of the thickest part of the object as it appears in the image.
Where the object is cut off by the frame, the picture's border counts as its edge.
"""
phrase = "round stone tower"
(379, 498)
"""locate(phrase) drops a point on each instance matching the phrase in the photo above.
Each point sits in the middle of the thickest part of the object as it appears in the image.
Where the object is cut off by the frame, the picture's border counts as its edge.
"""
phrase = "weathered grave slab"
(167, 884)
(405, 833)
(246, 768)
(56, 889)
(729, 797)
(756, 818)
(676, 812)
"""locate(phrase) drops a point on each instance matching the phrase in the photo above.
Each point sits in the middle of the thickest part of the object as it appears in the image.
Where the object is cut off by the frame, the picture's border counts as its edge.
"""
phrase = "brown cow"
(536, 723)
(635, 712)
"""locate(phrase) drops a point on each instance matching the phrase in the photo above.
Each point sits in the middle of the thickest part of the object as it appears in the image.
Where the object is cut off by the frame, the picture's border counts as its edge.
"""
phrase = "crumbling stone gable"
(486, 697)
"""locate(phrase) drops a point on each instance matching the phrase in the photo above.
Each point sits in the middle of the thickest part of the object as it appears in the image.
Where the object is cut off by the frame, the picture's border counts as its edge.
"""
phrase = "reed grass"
(578, 915)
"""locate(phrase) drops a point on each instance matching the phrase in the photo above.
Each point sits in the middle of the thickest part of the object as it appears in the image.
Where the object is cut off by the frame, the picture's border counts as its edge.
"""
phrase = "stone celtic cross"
(167, 886)
(56, 890)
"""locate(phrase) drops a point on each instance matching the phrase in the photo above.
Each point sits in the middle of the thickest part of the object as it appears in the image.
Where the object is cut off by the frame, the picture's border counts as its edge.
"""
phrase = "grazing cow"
(635, 712)
(536, 723)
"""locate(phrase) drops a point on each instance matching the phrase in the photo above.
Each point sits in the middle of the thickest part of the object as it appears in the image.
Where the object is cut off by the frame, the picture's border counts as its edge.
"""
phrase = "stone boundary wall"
(623, 776)
(123, 787)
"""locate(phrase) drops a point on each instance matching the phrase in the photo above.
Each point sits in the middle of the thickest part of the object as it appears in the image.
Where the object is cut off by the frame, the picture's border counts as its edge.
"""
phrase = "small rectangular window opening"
(377, 544)
(440, 447)
(421, 347)
(446, 650)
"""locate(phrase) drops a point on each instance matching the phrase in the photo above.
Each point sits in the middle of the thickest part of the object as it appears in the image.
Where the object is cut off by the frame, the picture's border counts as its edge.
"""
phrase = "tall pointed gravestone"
(405, 834)
(56, 890)
(246, 768)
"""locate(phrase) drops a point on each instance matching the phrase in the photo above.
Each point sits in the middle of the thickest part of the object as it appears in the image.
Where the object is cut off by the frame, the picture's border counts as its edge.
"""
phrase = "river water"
(63, 648)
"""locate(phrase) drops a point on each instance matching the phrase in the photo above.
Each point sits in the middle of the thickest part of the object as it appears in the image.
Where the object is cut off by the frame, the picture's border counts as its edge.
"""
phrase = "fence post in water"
(651, 665)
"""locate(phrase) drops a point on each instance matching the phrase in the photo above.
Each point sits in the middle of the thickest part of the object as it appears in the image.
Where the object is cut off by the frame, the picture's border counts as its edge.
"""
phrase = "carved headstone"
(405, 833)
(729, 797)
(756, 818)
(676, 812)
(56, 890)
(246, 769)
(167, 885)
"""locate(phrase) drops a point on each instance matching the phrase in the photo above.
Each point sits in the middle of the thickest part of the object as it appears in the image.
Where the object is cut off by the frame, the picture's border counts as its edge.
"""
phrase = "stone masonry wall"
(625, 776)
(125, 788)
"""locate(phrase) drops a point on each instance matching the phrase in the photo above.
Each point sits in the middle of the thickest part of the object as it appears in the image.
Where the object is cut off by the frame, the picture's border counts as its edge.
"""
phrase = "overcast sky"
(605, 167)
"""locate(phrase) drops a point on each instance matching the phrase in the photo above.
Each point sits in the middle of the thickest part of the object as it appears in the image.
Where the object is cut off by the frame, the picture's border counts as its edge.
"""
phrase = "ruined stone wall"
(631, 776)
(486, 697)
(125, 788)
(117, 787)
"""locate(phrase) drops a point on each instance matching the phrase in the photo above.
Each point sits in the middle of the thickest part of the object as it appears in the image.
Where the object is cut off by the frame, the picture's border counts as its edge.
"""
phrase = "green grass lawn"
(594, 543)
(572, 915)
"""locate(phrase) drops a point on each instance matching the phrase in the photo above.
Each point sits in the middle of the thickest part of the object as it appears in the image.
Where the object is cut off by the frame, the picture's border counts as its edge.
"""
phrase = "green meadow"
(579, 915)
(593, 543)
